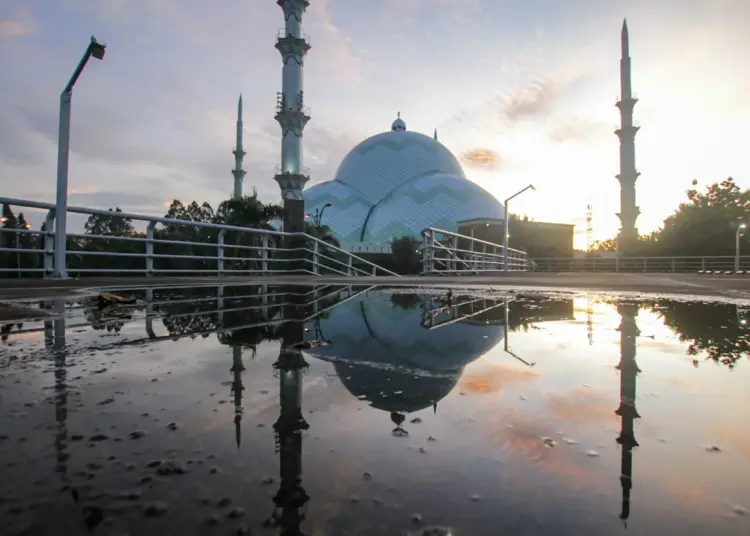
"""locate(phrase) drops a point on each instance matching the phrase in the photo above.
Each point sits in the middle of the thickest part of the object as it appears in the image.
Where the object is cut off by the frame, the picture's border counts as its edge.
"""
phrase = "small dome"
(398, 124)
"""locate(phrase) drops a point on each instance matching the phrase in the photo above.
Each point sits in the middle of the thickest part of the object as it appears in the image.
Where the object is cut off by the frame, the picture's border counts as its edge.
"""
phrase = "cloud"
(21, 25)
(531, 101)
(493, 378)
(481, 158)
(333, 45)
(578, 130)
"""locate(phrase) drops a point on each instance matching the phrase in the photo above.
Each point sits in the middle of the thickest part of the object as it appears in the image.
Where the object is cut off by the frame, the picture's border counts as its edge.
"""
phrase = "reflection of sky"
(488, 432)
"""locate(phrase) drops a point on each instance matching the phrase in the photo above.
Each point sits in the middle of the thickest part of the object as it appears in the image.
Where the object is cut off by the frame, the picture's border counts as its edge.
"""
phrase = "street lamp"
(96, 50)
(737, 246)
(505, 225)
(318, 216)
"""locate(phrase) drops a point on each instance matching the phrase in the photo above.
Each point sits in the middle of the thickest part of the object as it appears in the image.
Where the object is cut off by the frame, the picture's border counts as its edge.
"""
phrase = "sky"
(521, 91)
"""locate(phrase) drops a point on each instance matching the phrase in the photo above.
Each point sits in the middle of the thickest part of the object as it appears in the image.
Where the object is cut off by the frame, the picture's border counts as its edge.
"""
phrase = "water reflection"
(401, 354)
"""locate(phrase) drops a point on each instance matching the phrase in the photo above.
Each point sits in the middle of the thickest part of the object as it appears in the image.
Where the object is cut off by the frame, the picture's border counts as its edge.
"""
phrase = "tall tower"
(626, 133)
(239, 154)
(291, 113)
(628, 413)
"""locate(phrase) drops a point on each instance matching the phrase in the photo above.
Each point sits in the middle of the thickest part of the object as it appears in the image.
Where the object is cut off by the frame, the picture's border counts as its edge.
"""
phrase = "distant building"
(538, 239)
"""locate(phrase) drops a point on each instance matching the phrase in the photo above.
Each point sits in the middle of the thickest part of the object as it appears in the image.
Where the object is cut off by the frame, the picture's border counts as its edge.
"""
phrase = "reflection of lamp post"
(737, 246)
(318, 215)
(505, 226)
(96, 50)
(506, 330)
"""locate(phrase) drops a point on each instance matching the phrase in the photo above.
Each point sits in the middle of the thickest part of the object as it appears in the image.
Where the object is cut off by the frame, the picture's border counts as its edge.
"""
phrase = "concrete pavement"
(678, 284)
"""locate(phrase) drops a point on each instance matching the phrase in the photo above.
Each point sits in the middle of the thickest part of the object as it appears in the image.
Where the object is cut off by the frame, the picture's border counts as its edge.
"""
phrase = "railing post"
(454, 257)
(425, 253)
(150, 248)
(374, 271)
(49, 244)
(645, 265)
(316, 269)
(264, 254)
(349, 265)
(703, 264)
(220, 252)
(673, 266)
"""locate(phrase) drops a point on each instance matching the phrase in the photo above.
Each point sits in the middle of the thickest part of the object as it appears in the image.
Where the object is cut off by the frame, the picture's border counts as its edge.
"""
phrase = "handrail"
(50, 207)
(477, 240)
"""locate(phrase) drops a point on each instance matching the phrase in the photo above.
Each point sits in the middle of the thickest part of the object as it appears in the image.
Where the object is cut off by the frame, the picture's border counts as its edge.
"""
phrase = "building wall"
(538, 239)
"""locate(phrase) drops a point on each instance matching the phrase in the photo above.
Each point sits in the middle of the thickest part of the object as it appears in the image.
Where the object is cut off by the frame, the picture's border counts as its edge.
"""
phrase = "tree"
(106, 225)
(706, 223)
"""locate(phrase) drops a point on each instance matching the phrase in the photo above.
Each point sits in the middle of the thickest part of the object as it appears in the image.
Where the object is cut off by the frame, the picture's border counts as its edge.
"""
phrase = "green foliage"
(703, 225)
(405, 255)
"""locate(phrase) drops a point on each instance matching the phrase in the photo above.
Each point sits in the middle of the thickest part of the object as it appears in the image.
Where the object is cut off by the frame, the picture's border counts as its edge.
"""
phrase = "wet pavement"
(369, 411)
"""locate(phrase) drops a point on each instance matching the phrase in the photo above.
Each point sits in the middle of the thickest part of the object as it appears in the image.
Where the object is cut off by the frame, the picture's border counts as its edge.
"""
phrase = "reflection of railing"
(455, 254)
(450, 308)
(148, 254)
(319, 301)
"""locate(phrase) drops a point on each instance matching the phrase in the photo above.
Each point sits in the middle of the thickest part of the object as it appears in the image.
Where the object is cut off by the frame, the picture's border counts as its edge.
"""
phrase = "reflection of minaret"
(626, 133)
(291, 497)
(627, 411)
(237, 388)
(239, 154)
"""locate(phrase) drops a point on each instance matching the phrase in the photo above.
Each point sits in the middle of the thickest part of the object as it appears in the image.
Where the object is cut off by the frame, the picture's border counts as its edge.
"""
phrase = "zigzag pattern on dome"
(348, 210)
(431, 200)
(384, 162)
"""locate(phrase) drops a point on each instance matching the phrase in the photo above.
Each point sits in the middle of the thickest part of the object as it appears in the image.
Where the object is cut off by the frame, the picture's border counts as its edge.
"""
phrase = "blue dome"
(347, 212)
(386, 161)
(430, 200)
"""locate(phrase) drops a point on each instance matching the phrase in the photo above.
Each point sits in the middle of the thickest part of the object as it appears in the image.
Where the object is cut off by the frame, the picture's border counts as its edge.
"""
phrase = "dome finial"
(398, 124)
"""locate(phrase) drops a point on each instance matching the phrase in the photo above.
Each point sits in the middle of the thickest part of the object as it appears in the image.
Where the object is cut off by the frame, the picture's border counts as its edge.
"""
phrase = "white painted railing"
(444, 252)
(705, 265)
(140, 253)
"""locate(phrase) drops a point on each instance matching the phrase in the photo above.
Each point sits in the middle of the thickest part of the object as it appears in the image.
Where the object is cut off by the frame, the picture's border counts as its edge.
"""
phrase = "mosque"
(399, 182)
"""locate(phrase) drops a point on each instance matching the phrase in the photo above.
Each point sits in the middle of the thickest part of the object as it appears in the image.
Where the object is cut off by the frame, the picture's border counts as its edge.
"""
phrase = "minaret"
(626, 133)
(237, 388)
(291, 113)
(628, 413)
(435, 135)
(239, 154)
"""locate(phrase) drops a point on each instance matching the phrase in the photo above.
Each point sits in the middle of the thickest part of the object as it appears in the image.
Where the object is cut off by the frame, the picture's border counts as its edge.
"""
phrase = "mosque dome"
(383, 355)
(395, 184)
(385, 161)
(431, 200)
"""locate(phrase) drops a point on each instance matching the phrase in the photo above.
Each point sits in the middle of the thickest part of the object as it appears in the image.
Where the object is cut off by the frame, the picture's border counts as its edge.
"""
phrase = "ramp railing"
(167, 246)
(447, 253)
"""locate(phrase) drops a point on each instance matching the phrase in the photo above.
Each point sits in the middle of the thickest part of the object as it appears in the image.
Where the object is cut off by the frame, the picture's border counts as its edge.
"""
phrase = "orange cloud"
(582, 405)
(493, 378)
(481, 158)
(18, 27)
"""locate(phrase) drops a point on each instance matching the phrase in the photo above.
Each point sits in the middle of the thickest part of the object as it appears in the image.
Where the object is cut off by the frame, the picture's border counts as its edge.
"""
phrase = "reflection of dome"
(404, 168)
(383, 355)
(431, 200)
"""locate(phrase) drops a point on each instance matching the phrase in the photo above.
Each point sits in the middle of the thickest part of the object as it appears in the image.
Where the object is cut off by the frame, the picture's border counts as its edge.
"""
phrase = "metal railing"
(444, 252)
(707, 265)
(207, 250)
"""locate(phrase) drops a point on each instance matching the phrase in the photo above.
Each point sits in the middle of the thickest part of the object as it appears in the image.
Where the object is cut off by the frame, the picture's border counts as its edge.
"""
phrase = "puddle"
(361, 410)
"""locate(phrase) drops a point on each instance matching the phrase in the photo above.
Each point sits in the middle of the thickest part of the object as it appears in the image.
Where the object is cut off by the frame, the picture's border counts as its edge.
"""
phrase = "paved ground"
(683, 284)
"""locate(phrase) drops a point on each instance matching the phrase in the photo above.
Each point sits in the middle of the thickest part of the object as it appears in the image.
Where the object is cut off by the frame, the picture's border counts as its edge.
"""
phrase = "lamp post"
(318, 215)
(96, 50)
(737, 246)
(505, 225)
